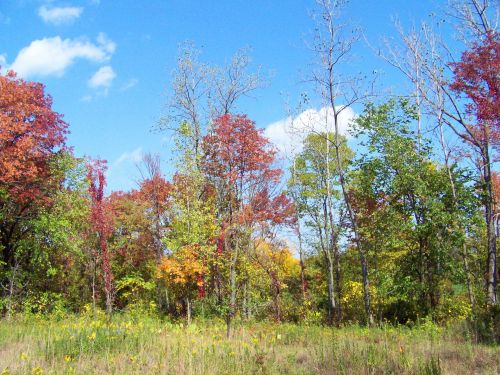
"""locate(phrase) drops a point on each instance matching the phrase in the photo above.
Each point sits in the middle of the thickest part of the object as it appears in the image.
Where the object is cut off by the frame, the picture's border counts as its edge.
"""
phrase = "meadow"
(133, 344)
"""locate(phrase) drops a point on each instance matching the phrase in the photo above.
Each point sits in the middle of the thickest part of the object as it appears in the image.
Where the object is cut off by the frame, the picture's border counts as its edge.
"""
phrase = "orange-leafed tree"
(184, 272)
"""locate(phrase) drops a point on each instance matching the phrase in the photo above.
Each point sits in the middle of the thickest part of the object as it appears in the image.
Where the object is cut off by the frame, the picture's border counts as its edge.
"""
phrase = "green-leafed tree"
(408, 218)
(314, 187)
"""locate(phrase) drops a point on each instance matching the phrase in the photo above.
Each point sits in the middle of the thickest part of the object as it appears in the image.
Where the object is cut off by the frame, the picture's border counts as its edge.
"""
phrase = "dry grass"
(128, 345)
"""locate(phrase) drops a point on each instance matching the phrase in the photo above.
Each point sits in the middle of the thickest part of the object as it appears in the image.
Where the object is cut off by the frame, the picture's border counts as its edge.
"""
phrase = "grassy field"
(128, 345)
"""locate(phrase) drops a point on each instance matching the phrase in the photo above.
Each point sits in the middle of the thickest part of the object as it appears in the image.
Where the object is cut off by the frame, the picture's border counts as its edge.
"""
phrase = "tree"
(155, 192)
(133, 246)
(238, 164)
(315, 190)
(184, 272)
(191, 235)
(280, 267)
(406, 211)
(332, 47)
(440, 95)
(476, 77)
(101, 224)
(202, 92)
(31, 136)
(32, 150)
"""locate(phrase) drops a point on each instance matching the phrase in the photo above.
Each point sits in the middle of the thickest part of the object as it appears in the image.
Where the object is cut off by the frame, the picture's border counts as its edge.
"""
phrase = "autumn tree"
(32, 148)
(133, 246)
(155, 192)
(32, 136)
(238, 162)
(184, 272)
(476, 78)
(280, 269)
(101, 225)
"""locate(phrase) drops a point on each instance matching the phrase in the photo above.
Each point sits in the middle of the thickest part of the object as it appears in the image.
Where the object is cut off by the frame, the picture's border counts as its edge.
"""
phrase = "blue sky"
(108, 63)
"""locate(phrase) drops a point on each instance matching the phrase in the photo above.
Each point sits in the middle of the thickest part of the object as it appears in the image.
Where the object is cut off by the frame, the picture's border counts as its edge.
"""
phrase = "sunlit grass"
(145, 345)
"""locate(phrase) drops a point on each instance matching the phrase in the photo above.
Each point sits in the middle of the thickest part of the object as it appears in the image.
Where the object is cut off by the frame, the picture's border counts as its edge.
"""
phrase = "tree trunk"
(338, 280)
(12, 283)
(329, 264)
(93, 290)
(188, 310)
(245, 307)
(331, 289)
(490, 229)
(301, 250)
(167, 300)
(302, 265)
(232, 287)
(336, 255)
(465, 256)
(275, 292)
(107, 281)
(353, 219)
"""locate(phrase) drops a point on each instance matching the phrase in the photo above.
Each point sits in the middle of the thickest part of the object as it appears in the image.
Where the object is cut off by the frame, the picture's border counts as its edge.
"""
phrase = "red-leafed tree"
(155, 192)
(477, 79)
(101, 224)
(238, 161)
(32, 140)
(31, 134)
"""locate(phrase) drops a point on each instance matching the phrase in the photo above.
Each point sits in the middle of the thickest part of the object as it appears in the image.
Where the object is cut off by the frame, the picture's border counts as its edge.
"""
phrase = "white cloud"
(102, 78)
(107, 44)
(129, 84)
(287, 134)
(59, 15)
(52, 56)
(86, 98)
(3, 62)
(130, 157)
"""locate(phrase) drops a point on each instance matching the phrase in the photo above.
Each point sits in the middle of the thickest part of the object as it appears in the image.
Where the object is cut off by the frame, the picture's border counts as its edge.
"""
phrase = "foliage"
(217, 239)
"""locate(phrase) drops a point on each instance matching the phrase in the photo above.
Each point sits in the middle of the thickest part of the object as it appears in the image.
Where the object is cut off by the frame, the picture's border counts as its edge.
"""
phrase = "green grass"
(146, 345)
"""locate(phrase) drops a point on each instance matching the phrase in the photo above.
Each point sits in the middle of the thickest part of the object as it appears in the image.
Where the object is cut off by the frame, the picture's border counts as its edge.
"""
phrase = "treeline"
(402, 230)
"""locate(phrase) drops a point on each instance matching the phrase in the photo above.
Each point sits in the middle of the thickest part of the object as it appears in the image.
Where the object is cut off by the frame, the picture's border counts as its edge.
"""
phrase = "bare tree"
(188, 101)
(474, 18)
(233, 82)
(333, 45)
(201, 92)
